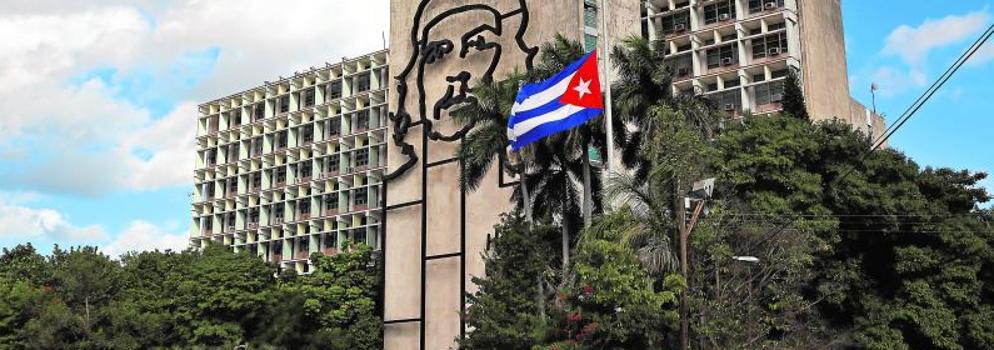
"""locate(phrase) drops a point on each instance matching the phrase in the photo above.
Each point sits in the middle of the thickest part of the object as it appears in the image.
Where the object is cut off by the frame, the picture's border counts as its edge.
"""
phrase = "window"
(254, 216)
(755, 31)
(729, 37)
(769, 93)
(722, 56)
(280, 176)
(258, 111)
(335, 90)
(305, 169)
(729, 101)
(305, 207)
(209, 189)
(589, 42)
(769, 46)
(713, 87)
(211, 157)
(681, 67)
(675, 23)
(281, 140)
(334, 127)
(362, 82)
(764, 5)
(233, 153)
(212, 124)
(331, 202)
(362, 120)
(779, 74)
(278, 212)
(331, 164)
(362, 157)
(257, 147)
(759, 77)
(256, 181)
(733, 82)
(309, 97)
(284, 104)
(361, 197)
(719, 12)
(772, 27)
(307, 133)
(236, 118)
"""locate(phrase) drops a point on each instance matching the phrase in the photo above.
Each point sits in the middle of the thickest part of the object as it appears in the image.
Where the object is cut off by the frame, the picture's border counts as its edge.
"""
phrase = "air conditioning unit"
(724, 17)
(775, 51)
(679, 27)
(771, 5)
(776, 97)
(729, 107)
(727, 61)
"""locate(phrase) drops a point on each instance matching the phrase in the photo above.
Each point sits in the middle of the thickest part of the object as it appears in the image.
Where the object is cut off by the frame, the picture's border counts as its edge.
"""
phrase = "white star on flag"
(583, 88)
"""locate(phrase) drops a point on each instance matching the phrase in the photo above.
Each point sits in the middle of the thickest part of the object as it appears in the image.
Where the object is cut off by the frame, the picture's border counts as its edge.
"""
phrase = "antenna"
(873, 92)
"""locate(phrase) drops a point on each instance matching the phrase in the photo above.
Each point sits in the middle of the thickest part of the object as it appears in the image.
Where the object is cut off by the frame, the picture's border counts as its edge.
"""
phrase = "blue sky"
(102, 154)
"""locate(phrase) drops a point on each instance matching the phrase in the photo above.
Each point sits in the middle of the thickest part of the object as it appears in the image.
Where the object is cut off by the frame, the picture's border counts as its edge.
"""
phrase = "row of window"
(721, 11)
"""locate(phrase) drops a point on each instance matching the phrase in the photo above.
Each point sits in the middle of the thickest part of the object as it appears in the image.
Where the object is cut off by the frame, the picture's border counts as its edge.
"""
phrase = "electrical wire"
(909, 113)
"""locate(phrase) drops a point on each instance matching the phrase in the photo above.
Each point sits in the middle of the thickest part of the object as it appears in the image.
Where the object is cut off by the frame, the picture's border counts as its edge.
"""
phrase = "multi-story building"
(294, 166)
(738, 52)
(298, 165)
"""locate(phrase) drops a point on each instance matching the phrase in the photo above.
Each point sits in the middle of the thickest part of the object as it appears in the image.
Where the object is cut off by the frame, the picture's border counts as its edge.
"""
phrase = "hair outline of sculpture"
(424, 52)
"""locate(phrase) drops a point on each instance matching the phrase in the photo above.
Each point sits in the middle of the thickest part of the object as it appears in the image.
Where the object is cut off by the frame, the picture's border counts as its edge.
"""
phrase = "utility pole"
(681, 215)
(703, 189)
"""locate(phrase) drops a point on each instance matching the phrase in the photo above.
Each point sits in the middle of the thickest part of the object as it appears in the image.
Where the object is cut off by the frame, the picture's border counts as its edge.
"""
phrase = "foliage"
(507, 310)
(82, 299)
(611, 304)
(793, 97)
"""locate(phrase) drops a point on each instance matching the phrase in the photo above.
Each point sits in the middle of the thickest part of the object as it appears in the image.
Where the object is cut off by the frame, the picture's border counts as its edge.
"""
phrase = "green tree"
(507, 312)
(24, 263)
(333, 307)
(793, 97)
(610, 302)
(85, 279)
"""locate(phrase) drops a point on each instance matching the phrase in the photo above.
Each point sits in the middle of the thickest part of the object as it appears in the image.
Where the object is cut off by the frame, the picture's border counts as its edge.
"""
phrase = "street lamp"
(748, 259)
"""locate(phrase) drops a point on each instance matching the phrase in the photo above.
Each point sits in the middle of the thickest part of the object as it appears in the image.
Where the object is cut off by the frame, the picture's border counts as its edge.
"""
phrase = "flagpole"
(608, 110)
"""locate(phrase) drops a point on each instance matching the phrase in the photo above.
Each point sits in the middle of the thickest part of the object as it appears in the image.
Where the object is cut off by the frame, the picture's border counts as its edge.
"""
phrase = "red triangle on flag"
(585, 88)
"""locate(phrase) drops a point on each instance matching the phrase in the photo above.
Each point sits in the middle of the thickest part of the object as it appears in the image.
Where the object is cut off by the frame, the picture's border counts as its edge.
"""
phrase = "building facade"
(738, 52)
(294, 166)
(364, 149)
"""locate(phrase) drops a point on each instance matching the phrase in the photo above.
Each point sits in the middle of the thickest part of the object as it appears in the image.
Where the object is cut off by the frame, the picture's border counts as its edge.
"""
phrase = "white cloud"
(143, 236)
(21, 222)
(913, 44)
(893, 81)
(89, 134)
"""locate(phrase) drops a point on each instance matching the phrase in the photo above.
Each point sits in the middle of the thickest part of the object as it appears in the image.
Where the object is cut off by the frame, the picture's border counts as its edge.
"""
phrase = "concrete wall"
(439, 215)
(823, 57)
(866, 121)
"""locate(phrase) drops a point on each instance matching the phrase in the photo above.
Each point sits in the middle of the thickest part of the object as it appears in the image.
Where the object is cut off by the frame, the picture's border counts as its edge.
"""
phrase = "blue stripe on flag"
(536, 112)
(547, 129)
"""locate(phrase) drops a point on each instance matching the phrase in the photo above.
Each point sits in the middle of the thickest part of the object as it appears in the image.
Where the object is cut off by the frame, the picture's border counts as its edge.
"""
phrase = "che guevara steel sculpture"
(431, 47)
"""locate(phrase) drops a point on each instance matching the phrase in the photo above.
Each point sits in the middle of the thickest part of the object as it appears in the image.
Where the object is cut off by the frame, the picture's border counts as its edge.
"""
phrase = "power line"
(911, 111)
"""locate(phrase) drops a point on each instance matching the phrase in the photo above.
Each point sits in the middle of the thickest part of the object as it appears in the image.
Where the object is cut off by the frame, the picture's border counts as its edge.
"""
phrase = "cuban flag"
(563, 102)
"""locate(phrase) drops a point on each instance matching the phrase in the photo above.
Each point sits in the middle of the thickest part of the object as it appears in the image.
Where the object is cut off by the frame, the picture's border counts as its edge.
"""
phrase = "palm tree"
(561, 153)
(643, 82)
(486, 116)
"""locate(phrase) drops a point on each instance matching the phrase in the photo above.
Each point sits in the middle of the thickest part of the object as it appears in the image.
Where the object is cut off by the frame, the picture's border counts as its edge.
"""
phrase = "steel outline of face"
(425, 52)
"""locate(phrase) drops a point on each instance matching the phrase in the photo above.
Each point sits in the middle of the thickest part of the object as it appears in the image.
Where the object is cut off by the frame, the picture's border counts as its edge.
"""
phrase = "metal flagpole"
(608, 110)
